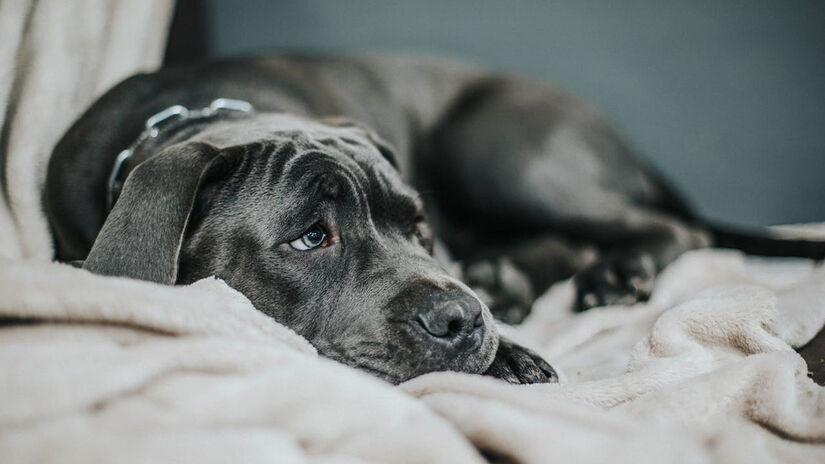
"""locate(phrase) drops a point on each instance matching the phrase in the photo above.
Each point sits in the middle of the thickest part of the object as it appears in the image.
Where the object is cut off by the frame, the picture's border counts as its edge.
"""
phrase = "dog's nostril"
(454, 327)
(446, 321)
(437, 327)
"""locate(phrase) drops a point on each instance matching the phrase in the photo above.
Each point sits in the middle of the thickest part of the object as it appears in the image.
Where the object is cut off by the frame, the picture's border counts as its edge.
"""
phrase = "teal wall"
(727, 98)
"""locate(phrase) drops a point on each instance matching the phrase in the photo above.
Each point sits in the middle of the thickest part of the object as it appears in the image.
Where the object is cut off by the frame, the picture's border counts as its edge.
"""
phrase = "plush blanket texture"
(99, 369)
(110, 369)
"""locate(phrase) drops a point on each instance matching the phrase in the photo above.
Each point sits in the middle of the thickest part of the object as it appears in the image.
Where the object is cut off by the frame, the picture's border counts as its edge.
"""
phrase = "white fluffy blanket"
(115, 370)
(99, 369)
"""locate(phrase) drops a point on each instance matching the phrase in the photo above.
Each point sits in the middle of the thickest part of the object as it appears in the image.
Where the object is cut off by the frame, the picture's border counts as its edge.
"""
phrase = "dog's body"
(522, 183)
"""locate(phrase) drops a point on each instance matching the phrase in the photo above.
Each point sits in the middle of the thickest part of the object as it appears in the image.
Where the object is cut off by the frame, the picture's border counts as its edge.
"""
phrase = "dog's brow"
(346, 168)
(402, 205)
(352, 141)
(280, 156)
(295, 159)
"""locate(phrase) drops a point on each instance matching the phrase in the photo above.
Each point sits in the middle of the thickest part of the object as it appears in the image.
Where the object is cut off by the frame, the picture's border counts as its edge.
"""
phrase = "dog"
(331, 191)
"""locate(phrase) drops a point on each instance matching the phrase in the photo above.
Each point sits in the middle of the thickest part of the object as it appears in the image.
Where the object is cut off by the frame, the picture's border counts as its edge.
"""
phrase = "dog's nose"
(451, 321)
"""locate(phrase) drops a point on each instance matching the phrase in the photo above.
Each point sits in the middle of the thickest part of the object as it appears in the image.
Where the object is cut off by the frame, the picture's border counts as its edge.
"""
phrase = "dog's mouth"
(371, 365)
(404, 357)
(377, 371)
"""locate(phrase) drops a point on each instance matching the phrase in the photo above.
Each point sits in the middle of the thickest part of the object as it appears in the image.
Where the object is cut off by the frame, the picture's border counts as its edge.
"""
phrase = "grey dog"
(309, 204)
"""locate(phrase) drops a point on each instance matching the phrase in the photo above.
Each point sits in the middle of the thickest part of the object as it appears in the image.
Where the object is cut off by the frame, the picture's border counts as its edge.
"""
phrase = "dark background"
(726, 97)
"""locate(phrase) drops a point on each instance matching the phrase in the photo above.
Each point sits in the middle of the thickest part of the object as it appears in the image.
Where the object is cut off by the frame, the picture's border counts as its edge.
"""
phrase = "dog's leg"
(509, 278)
(517, 364)
(517, 161)
(646, 242)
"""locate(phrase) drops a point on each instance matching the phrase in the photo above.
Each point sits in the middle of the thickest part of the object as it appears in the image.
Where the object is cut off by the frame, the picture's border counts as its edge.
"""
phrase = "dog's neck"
(163, 129)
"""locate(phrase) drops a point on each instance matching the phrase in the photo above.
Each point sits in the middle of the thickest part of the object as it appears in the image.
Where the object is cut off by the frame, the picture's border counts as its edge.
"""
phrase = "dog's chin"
(399, 369)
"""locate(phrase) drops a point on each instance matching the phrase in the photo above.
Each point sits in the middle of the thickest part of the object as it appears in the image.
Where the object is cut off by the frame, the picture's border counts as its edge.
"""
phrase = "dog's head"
(312, 222)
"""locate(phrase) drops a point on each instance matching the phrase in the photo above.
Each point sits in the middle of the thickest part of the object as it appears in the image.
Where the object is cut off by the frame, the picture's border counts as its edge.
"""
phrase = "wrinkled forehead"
(347, 146)
(266, 126)
(304, 133)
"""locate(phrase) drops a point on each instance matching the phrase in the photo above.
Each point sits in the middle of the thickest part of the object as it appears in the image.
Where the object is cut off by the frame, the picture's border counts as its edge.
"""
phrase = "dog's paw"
(502, 287)
(619, 279)
(517, 364)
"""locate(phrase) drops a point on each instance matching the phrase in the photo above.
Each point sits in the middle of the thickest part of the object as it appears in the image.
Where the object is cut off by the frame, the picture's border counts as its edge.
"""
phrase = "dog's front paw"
(619, 279)
(502, 287)
(517, 364)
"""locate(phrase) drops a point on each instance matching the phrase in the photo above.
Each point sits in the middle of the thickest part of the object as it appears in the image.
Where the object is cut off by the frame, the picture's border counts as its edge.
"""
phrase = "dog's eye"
(313, 238)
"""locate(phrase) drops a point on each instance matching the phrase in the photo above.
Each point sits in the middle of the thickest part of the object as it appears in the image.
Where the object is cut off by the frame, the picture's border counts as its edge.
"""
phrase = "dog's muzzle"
(451, 320)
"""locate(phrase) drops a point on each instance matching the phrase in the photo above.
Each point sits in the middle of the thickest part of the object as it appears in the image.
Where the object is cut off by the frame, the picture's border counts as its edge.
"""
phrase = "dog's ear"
(143, 233)
(385, 148)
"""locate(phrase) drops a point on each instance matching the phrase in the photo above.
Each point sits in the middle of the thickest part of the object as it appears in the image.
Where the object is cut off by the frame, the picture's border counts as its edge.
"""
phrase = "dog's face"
(314, 225)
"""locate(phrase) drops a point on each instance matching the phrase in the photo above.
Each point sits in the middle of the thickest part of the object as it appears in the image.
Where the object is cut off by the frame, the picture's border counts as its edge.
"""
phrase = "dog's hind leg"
(516, 161)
